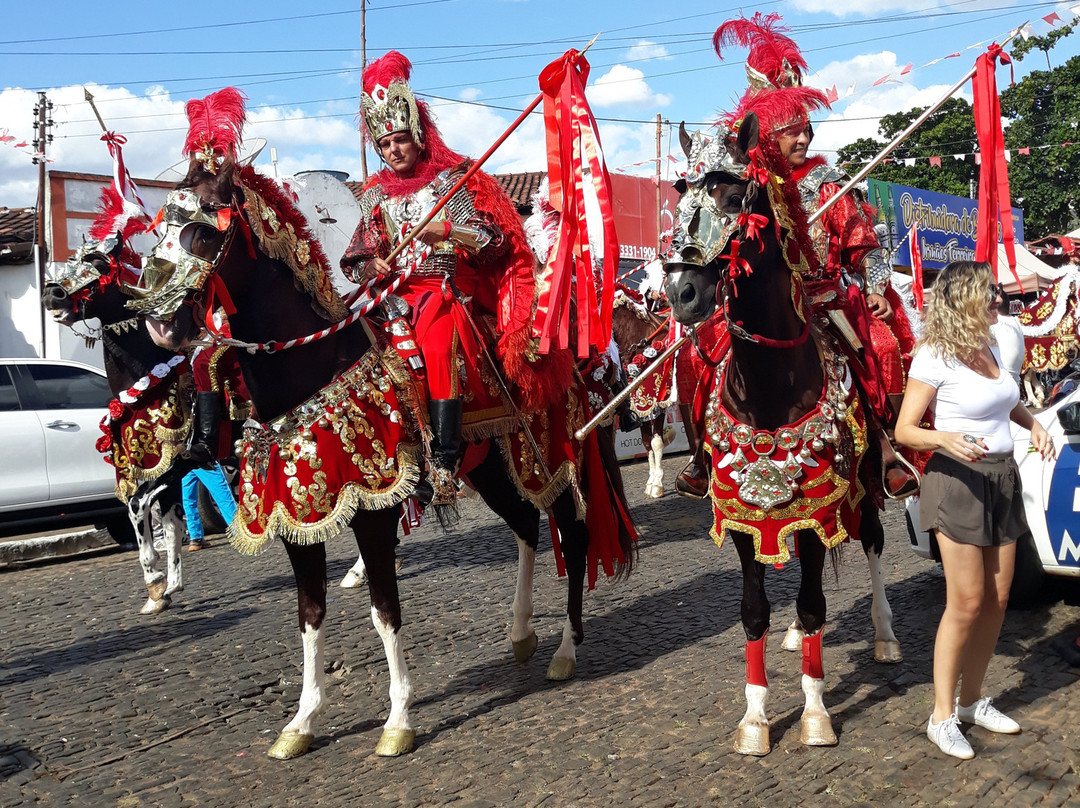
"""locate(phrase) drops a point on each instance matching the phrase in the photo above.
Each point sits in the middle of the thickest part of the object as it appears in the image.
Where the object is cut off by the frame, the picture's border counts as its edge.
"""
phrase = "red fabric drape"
(995, 202)
(573, 145)
(916, 266)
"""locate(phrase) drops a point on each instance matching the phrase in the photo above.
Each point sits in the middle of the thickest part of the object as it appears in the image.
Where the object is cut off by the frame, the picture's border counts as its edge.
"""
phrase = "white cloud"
(862, 111)
(624, 86)
(646, 51)
(844, 8)
(470, 94)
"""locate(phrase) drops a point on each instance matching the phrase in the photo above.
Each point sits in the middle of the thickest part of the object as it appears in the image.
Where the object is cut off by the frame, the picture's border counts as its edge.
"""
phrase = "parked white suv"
(51, 474)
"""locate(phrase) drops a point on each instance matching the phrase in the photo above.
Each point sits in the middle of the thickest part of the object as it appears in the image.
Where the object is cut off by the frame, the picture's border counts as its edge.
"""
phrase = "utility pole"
(363, 64)
(659, 217)
(43, 122)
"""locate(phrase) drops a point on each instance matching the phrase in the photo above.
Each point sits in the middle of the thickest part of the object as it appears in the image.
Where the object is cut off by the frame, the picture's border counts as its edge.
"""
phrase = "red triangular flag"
(935, 161)
(882, 80)
(978, 159)
(831, 95)
(21, 145)
(6, 138)
(1051, 18)
(907, 69)
(1025, 150)
(953, 55)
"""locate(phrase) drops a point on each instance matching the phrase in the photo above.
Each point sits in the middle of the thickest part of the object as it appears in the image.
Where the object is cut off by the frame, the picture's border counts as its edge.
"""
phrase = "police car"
(1051, 501)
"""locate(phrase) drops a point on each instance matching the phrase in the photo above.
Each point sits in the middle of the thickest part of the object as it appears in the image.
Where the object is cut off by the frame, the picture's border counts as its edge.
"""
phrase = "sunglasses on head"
(994, 292)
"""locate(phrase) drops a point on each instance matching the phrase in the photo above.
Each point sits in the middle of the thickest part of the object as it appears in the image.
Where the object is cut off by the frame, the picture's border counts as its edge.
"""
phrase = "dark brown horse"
(783, 424)
(635, 330)
(89, 287)
(271, 305)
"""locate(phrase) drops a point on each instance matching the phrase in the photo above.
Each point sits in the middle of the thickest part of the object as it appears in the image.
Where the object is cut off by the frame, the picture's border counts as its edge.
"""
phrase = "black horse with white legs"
(783, 423)
(150, 416)
(337, 444)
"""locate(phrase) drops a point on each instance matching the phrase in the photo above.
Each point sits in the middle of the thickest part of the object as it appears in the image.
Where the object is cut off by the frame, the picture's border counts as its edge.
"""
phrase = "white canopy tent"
(1034, 274)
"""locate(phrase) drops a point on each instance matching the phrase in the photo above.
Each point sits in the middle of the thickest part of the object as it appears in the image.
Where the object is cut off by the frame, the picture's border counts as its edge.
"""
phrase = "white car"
(52, 474)
(1051, 502)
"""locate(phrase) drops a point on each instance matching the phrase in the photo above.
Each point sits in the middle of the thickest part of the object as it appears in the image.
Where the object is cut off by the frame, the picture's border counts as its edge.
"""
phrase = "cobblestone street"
(648, 720)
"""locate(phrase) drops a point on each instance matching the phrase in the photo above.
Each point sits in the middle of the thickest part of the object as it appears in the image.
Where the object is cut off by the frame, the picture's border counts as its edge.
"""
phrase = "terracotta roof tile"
(16, 225)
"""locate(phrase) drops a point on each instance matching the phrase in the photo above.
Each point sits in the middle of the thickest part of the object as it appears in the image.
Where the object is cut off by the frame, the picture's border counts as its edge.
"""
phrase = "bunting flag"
(916, 265)
(1051, 18)
(995, 203)
(907, 69)
(573, 147)
(831, 96)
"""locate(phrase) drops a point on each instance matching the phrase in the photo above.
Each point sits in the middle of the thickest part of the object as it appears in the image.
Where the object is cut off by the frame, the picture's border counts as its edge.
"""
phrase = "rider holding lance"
(474, 249)
(853, 281)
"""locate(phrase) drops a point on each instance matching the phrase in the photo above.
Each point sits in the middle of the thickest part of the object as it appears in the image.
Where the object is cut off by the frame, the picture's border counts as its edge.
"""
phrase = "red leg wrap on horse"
(811, 656)
(755, 662)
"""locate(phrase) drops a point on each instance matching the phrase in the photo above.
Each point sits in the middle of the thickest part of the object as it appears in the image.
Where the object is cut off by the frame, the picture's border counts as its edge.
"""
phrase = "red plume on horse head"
(774, 59)
(215, 126)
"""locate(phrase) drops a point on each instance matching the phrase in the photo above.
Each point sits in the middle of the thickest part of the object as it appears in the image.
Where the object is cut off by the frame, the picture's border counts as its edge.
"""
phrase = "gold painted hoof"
(395, 742)
(817, 731)
(290, 744)
(524, 649)
(793, 640)
(156, 606)
(156, 590)
(560, 669)
(887, 651)
(752, 739)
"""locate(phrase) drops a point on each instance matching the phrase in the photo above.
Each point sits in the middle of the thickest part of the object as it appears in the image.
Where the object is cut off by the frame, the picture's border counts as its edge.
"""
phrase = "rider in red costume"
(852, 287)
(474, 249)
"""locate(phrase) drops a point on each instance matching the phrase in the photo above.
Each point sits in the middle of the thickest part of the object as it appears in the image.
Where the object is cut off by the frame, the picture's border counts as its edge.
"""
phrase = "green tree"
(1041, 111)
(949, 130)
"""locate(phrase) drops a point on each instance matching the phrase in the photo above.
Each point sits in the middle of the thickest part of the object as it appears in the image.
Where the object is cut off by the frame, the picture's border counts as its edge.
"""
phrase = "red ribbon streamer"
(916, 266)
(573, 144)
(995, 202)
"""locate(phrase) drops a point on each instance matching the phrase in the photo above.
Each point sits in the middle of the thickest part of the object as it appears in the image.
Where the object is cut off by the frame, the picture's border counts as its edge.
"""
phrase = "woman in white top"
(971, 493)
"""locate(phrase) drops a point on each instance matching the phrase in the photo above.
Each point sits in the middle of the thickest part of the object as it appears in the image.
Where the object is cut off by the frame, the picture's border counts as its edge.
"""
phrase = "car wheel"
(121, 531)
(1028, 584)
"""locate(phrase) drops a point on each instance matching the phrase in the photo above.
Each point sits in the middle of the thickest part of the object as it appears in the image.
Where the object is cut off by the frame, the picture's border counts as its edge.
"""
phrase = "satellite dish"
(249, 150)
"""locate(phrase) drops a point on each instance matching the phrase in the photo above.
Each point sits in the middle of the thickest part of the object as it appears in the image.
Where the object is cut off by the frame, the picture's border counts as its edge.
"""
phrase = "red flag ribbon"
(573, 145)
(995, 202)
(916, 266)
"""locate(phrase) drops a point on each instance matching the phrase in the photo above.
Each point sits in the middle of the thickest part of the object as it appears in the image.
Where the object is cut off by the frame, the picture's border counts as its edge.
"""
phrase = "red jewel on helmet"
(388, 126)
(381, 95)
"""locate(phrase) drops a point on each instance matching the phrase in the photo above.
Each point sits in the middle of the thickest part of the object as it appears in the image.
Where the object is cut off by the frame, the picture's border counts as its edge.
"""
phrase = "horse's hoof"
(817, 730)
(395, 742)
(752, 739)
(654, 490)
(793, 640)
(156, 606)
(290, 744)
(157, 589)
(352, 579)
(524, 649)
(174, 590)
(561, 669)
(887, 651)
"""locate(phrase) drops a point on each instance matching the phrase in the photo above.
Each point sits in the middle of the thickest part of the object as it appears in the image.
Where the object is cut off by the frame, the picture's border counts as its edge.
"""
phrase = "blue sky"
(476, 61)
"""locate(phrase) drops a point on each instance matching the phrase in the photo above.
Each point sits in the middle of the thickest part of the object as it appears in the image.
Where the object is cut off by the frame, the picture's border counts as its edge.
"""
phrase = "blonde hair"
(956, 320)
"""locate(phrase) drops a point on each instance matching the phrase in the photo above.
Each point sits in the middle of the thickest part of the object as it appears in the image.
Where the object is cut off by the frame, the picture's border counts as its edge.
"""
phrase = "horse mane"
(299, 249)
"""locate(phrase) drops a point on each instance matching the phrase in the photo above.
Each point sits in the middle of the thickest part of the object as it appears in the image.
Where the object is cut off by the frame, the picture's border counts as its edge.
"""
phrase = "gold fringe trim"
(566, 476)
(718, 532)
(352, 497)
(492, 428)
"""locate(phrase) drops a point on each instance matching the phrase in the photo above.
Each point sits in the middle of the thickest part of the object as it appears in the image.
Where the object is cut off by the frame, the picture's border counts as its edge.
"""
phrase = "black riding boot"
(445, 447)
(202, 447)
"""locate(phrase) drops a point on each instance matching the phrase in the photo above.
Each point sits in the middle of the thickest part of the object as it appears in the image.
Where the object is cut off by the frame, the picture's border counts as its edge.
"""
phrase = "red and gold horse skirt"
(142, 439)
(804, 476)
(353, 445)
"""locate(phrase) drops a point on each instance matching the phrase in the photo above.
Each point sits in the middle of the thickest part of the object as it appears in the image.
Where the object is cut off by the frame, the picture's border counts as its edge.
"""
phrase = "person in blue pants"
(217, 485)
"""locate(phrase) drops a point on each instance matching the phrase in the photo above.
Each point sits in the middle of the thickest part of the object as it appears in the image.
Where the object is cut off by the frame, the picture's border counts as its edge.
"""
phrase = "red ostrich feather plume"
(769, 49)
(777, 109)
(116, 215)
(216, 122)
(393, 65)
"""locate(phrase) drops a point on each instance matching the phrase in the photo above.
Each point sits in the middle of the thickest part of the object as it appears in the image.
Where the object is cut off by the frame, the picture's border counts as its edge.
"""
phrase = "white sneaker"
(986, 715)
(949, 738)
